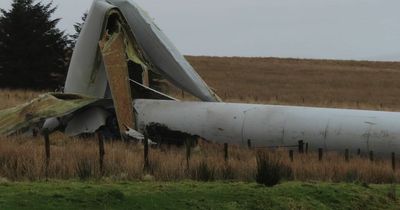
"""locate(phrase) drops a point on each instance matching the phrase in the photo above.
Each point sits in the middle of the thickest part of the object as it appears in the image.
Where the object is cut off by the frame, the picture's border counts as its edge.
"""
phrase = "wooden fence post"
(35, 132)
(101, 152)
(146, 154)
(249, 144)
(393, 161)
(47, 152)
(307, 148)
(347, 155)
(188, 152)
(371, 156)
(320, 154)
(291, 155)
(226, 152)
(301, 146)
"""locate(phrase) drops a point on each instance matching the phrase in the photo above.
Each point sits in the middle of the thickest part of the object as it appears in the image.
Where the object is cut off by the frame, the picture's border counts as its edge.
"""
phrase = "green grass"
(192, 195)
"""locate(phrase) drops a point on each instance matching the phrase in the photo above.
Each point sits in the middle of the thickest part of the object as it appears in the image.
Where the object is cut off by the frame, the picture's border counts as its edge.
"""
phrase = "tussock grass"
(23, 159)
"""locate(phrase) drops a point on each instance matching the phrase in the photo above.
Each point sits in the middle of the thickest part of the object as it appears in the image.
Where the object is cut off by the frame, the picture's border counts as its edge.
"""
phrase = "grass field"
(342, 84)
(23, 159)
(345, 84)
(324, 83)
(191, 195)
(10, 98)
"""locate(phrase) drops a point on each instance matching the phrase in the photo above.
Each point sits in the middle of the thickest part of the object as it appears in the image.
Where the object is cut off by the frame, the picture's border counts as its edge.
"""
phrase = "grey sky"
(333, 29)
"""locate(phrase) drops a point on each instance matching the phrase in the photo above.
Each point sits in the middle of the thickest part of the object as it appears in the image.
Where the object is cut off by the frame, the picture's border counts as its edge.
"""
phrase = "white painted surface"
(88, 121)
(86, 73)
(265, 125)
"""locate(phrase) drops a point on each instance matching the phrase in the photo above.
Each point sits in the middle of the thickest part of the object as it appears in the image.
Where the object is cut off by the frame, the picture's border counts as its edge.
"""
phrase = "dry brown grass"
(10, 98)
(23, 159)
(345, 84)
(325, 83)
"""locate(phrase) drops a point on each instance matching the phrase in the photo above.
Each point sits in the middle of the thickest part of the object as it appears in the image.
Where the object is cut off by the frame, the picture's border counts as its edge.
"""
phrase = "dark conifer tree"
(33, 51)
(78, 28)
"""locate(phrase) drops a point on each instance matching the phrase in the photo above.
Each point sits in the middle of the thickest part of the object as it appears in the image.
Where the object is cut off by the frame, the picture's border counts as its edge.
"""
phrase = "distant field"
(330, 83)
(192, 195)
(324, 83)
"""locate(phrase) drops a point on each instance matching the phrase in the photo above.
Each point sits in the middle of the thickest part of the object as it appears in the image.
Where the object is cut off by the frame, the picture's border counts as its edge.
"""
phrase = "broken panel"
(272, 126)
(113, 51)
(21, 118)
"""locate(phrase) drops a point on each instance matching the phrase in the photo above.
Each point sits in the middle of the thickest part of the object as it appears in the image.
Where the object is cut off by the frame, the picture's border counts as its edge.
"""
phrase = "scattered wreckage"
(113, 87)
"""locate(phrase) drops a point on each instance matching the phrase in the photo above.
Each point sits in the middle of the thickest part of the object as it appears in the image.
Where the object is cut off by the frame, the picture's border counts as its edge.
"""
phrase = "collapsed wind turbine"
(114, 83)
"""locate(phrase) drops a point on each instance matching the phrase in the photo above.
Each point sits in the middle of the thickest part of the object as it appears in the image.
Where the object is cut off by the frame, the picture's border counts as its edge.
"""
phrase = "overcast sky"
(332, 29)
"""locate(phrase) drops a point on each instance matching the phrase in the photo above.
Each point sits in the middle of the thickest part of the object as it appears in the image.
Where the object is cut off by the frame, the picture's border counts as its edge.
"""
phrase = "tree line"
(34, 53)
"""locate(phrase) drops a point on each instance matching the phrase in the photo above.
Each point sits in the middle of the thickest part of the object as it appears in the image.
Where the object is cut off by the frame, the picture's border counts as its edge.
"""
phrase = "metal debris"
(21, 118)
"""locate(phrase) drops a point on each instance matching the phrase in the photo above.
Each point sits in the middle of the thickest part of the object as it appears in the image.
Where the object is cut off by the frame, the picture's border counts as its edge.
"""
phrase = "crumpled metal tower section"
(87, 73)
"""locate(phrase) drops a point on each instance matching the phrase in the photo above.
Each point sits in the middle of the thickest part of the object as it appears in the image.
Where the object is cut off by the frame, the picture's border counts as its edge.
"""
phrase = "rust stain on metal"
(113, 51)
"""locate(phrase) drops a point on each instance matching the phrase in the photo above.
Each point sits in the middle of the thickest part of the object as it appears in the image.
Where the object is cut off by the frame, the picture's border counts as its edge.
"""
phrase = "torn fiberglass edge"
(162, 53)
(23, 117)
(140, 53)
(143, 67)
(147, 44)
(114, 56)
(271, 126)
(87, 74)
(161, 134)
